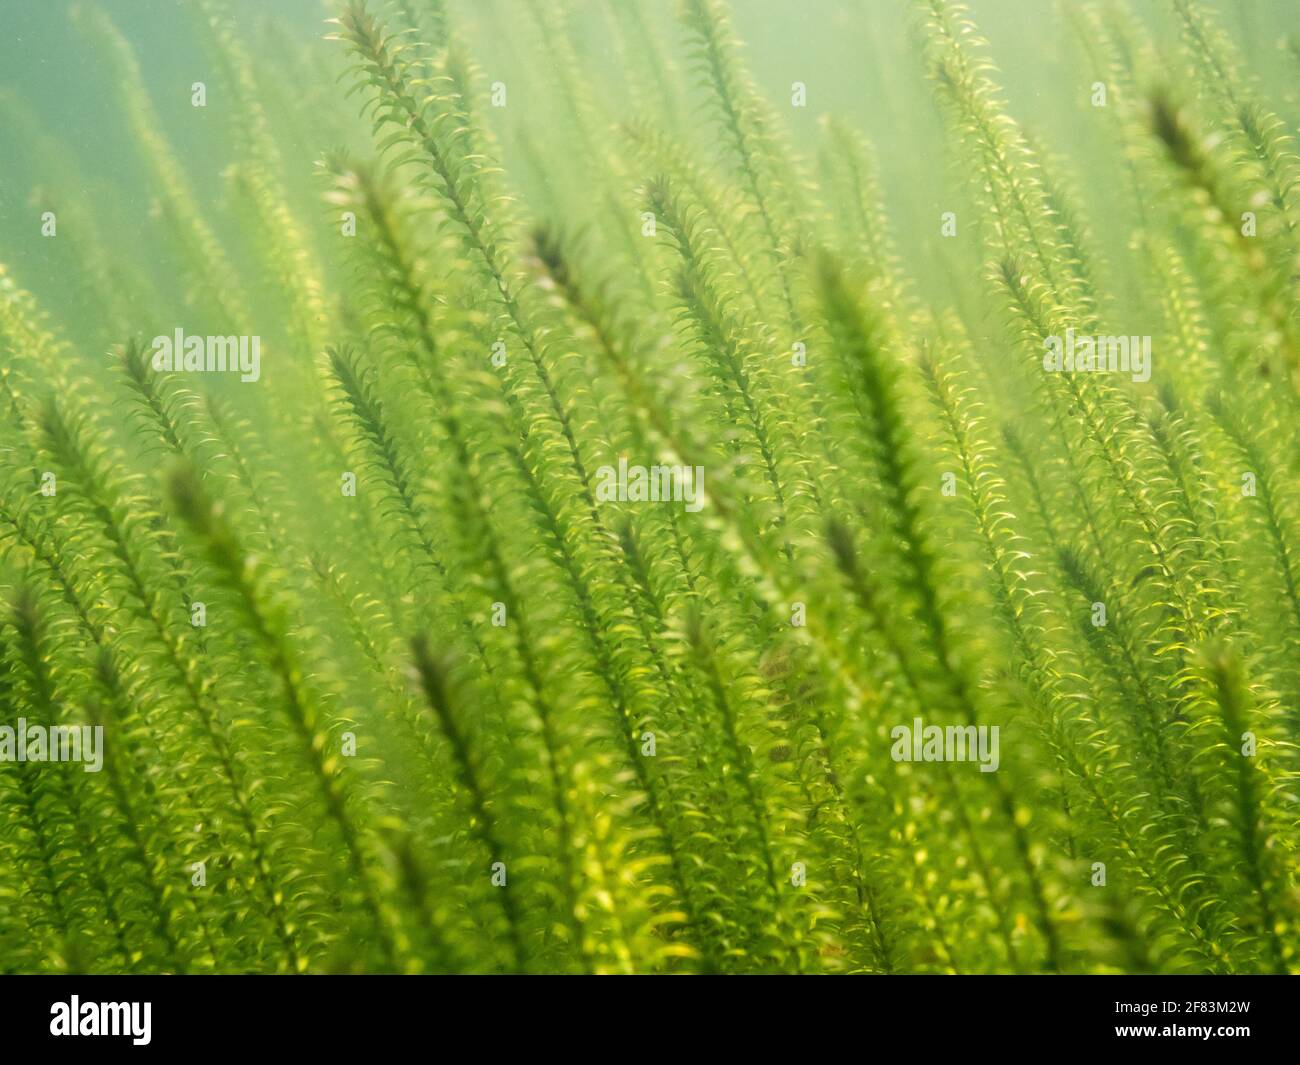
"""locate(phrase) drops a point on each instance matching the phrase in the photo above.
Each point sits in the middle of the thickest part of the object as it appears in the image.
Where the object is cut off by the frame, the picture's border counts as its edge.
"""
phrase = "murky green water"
(610, 487)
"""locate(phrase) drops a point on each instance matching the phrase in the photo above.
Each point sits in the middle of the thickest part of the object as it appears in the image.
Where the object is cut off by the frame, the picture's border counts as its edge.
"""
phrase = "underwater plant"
(498, 488)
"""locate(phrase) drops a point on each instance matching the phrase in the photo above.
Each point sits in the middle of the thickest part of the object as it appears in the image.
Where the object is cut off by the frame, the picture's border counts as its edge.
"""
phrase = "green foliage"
(390, 682)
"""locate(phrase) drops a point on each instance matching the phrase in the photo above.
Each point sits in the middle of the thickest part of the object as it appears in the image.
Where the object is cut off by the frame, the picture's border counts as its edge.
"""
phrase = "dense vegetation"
(388, 682)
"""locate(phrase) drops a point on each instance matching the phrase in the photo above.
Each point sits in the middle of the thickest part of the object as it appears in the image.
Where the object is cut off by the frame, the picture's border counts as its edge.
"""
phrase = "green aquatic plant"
(635, 546)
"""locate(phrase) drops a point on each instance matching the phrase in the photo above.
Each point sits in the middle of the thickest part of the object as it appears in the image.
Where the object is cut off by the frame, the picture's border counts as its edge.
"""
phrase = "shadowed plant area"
(671, 487)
